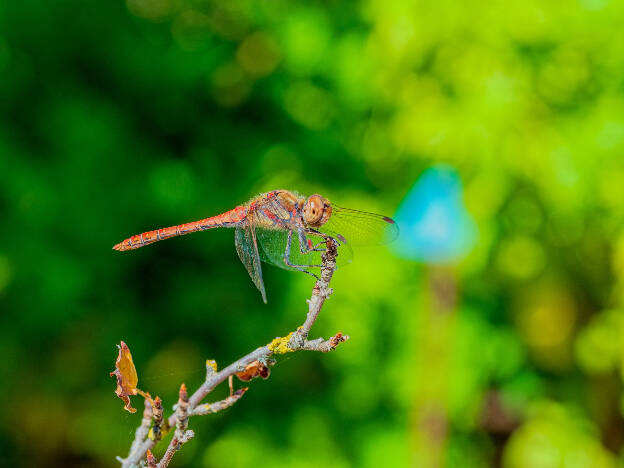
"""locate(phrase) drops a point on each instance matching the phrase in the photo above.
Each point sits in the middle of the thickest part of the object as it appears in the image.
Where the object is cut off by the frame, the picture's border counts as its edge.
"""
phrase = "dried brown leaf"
(253, 370)
(126, 375)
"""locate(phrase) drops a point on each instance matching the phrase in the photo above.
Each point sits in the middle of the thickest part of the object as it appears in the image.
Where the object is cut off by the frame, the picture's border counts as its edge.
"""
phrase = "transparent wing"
(273, 249)
(247, 249)
(360, 227)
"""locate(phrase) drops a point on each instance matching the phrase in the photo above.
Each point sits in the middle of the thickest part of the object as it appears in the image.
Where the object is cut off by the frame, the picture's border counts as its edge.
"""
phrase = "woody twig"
(254, 364)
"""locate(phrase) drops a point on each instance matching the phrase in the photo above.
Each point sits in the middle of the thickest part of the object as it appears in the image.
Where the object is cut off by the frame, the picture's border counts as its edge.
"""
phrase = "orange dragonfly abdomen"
(227, 219)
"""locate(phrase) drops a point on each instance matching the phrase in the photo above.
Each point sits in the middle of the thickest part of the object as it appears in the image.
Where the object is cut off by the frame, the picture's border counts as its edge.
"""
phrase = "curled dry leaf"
(127, 378)
(255, 369)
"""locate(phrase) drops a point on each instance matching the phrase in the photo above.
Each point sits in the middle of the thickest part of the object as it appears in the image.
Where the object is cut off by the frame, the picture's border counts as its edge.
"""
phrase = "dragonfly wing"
(247, 248)
(273, 244)
(359, 227)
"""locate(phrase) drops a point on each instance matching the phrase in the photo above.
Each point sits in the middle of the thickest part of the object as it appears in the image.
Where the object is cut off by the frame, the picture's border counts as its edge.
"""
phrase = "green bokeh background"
(119, 117)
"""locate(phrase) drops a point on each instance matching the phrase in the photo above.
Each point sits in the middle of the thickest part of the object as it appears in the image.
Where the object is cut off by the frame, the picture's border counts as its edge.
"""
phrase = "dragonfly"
(285, 229)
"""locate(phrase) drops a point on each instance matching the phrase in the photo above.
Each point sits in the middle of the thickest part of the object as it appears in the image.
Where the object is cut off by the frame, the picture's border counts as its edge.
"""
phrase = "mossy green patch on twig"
(280, 345)
(211, 363)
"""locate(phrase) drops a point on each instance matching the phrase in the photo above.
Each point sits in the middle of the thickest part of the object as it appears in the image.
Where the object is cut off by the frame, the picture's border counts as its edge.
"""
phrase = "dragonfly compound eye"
(316, 211)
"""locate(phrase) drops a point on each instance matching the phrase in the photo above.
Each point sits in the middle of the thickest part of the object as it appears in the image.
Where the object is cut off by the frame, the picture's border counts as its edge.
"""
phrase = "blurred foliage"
(123, 117)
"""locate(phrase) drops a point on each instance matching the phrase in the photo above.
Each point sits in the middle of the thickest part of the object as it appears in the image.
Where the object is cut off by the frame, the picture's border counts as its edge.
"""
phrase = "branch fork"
(255, 364)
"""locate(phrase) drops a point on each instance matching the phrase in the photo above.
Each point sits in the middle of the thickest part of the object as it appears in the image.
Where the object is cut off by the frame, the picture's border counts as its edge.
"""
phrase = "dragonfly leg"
(305, 244)
(316, 248)
(338, 239)
(292, 265)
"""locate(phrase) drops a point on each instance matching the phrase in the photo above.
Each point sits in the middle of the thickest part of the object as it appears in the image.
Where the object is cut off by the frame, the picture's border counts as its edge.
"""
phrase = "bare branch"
(142, 431)
(174, 446)
(296, 340)
(321, 289)
(157, 430)
(179, 437)
(210, 408)
(325, 346)
(182, 411)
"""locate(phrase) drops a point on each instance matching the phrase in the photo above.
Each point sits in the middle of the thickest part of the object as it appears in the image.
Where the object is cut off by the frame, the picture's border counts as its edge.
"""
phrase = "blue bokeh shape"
(435, 225)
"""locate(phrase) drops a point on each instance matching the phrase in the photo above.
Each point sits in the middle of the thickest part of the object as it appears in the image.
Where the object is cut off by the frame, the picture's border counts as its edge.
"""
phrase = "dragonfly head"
(316, 210)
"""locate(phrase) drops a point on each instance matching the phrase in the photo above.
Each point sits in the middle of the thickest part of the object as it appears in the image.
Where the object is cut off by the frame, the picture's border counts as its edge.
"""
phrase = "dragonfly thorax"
(316, 210)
